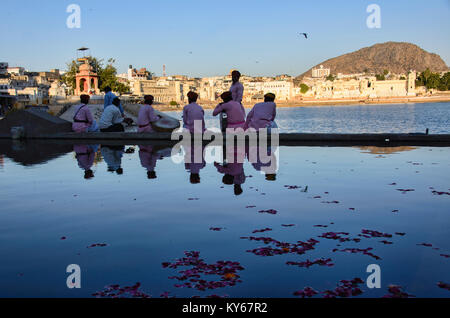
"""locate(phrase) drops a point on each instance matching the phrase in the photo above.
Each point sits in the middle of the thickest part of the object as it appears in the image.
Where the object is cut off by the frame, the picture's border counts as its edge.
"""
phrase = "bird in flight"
(305, 35)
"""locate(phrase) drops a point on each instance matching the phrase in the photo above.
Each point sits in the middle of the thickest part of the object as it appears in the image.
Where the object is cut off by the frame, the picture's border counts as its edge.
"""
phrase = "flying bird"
(305, 35)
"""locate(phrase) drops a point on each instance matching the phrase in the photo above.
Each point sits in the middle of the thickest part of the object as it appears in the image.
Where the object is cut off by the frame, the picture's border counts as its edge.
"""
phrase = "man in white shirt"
(111, 120)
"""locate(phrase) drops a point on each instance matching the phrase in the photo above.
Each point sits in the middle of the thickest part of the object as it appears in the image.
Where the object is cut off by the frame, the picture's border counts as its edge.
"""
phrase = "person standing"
(147, 115)
(263, 114)
(83, 120)
(236, 89)
(109, 97)
(234, 111)
(111, 120)
(193, 112)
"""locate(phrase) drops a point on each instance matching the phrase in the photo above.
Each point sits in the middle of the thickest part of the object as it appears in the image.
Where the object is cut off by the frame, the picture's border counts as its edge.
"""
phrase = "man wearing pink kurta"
(234, 110)
(82, 119)
(148, 160)
(193, 113)
(85, 155)
(263, 114)
(147, 115)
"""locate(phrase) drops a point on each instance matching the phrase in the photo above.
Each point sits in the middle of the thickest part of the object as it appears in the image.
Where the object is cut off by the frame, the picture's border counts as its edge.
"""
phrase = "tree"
(380, 77)
(445, 82)
(106, 75)
(331, 77)
(303, 88)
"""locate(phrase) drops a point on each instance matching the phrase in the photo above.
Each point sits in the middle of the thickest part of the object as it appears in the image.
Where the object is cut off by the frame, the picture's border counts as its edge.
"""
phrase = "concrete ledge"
(284, 138)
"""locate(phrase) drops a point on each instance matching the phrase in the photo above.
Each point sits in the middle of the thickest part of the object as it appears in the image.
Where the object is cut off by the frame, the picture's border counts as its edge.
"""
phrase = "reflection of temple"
(86, 79)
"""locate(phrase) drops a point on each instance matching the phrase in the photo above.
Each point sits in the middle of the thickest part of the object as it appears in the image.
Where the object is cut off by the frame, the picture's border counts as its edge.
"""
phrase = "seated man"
(234, 110)
(111, 120)
(109, 97)
(263, 114)
(193, 112)
(83, 120)
(147, 115)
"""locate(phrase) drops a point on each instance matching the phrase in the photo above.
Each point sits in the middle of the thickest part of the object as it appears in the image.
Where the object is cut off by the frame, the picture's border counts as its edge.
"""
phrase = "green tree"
(303, 88)
(331, 77)
(106, 75)
(445, 82)
(380, 77)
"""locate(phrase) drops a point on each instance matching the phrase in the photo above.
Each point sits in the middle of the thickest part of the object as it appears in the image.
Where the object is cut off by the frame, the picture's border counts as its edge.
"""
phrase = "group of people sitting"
(231, 109)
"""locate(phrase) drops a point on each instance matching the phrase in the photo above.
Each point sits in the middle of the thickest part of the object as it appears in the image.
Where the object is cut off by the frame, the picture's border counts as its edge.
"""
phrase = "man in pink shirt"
(147, 115)
(85, 155)
(148, 160)
(234, 110)
(193, 113)
(263, 114)
(83, 120)
(236, 89)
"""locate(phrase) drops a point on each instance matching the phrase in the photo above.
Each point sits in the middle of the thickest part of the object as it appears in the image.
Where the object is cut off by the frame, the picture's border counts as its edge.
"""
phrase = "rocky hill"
(397, 57)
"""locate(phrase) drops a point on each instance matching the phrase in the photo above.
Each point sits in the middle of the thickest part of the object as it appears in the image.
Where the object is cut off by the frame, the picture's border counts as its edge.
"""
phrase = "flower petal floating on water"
(445, 255)
(262, 230)
(386, 242)
(308, 263)
(345, 289)
(216, 229)
(270, 211)
(331, 202)
(225, 269)
(292, 187)
(193, 199)
(396, 291)
(373, 233)
(425, 244)
(339, 236)
(400, 233)
(115, 291)
(440, 193)
(97, 245)
(306, 292)
(444, 285)
(63, 238)
(365, 251)
(405, 190)
(287, 225)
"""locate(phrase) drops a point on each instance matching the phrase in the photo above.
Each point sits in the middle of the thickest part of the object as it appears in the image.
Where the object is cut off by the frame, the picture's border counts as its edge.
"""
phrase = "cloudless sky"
(258, 37)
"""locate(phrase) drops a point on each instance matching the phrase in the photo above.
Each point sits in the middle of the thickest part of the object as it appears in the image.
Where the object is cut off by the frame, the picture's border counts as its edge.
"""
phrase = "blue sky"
(258, 37)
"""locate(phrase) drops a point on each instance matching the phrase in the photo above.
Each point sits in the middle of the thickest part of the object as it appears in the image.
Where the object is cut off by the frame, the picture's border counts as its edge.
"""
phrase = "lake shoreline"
(330, 102)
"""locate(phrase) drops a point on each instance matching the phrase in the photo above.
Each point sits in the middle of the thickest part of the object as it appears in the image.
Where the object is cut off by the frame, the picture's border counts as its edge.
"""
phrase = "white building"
(17, 70)
(320, 72)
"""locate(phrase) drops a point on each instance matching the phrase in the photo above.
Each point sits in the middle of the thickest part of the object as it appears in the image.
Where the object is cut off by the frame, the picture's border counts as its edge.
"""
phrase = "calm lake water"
(398, 118)
(51, 216)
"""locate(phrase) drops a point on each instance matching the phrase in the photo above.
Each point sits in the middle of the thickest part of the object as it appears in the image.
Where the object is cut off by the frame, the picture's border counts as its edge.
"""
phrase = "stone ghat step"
(284, 138)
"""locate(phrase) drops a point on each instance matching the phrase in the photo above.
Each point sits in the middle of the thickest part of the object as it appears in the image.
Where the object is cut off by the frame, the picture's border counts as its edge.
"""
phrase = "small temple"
(86, 79)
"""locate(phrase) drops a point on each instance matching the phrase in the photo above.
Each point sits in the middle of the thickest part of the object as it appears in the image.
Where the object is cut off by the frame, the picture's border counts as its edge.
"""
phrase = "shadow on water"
(29, 153)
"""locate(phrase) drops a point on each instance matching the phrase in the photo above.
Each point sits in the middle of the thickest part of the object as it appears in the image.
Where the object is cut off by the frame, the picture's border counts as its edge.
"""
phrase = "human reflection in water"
(85, 155)
(113, 157)
(149, 156)
(194, 161)
(268, 164)
(233, 170)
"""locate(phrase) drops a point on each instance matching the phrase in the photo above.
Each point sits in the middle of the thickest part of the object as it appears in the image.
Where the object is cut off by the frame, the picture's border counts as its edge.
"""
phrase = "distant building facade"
(320, 72)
